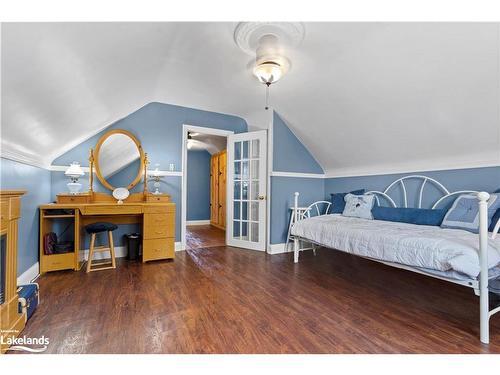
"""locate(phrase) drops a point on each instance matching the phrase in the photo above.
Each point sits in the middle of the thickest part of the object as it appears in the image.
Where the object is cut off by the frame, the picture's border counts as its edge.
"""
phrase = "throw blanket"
(413, 245)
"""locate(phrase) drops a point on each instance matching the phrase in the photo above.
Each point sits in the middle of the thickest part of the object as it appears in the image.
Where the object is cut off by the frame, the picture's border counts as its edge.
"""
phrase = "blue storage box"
(29, 299)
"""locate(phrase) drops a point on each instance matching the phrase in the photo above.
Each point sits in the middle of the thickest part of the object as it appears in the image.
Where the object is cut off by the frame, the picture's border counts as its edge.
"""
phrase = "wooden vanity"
(157, 219)
(155, 212)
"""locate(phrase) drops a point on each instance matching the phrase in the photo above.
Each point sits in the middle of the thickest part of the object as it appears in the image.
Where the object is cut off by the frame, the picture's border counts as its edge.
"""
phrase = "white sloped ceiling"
(363, 97)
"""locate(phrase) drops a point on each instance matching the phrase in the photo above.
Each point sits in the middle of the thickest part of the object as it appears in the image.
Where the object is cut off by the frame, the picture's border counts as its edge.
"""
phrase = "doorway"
(203, 187)
(244, 193)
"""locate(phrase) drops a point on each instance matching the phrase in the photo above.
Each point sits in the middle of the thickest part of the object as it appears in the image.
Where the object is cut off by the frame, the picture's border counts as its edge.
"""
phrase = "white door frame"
(263, 178)
(198, 129)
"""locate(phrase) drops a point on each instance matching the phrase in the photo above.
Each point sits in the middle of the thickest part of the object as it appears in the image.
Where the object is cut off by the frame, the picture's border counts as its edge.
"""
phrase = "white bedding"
(413, 245)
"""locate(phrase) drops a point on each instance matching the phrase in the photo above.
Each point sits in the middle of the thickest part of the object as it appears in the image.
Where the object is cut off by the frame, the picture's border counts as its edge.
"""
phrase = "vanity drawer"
(73, 198)
(154, 249)
(159, 208)
(56, 262)
(111, 209)
(158, 225)
(165, 198)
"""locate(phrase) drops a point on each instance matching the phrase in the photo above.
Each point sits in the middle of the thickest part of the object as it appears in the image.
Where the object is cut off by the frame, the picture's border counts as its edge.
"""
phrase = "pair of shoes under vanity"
(76, 215)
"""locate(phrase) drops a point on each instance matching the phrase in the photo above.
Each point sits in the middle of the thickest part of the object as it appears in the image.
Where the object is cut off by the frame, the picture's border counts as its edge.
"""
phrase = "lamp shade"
(74, 170)
(156, 172)
(268, 72)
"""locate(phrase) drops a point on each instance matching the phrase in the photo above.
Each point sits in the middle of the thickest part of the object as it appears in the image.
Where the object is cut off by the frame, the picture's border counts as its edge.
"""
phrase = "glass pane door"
(247, 180)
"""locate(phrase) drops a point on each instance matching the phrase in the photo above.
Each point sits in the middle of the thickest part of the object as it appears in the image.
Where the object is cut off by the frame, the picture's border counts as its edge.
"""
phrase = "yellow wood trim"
(11, 322)
(142, 157)
(91, 175)
(14, 193)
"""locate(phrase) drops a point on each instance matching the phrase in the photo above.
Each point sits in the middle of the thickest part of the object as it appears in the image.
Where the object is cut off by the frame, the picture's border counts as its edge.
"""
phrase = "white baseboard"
(178, 246)
(198, 222)
(120, 252)
(277, 248)
(29, 275)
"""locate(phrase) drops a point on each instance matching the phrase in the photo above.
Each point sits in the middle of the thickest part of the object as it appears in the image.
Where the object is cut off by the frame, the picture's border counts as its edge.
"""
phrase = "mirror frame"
(142, 157)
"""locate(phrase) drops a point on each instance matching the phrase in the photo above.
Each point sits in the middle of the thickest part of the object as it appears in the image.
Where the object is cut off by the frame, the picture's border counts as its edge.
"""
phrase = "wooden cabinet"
(11, 322)
(218, 168)
(156, 216)
(158, 232)
(50, 219)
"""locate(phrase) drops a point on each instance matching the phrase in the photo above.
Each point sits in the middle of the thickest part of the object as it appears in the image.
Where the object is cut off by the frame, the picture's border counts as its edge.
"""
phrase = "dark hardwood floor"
(204, 236)
(227, 300)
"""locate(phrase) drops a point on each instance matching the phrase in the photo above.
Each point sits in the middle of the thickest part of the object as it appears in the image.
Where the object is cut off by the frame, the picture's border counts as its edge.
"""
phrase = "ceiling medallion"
(248, 34)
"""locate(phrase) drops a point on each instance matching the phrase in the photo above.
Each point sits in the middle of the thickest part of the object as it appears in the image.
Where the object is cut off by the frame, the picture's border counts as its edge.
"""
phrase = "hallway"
(203, 236)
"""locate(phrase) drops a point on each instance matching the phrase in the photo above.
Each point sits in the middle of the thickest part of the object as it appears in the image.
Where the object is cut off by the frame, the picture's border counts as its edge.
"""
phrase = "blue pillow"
(338, 203)
(494, 220)
(418, 216)
(464, 213)
(496, 216)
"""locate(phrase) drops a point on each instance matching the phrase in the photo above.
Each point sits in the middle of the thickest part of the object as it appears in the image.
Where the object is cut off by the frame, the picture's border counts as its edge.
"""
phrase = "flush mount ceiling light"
(268, 42)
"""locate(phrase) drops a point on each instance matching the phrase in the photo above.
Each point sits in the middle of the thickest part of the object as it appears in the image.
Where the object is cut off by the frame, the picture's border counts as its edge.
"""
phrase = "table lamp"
(74, 172)
(156, 174)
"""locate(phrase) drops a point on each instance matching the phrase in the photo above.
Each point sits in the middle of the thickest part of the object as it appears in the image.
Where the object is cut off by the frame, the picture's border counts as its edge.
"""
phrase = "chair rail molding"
(297, 174)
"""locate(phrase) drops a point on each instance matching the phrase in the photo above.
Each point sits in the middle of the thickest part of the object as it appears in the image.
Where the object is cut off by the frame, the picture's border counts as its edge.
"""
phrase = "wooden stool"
(93, 229)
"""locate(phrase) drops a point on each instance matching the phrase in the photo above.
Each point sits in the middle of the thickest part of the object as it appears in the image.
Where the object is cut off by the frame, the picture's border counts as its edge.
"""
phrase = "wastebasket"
(133, 241)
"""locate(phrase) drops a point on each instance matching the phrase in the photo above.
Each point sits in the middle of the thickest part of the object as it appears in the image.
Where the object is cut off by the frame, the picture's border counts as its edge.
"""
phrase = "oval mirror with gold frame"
(118, 153)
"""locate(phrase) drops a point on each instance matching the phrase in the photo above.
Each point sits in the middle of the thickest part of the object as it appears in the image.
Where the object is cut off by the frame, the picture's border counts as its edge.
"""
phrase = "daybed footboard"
(482, 290)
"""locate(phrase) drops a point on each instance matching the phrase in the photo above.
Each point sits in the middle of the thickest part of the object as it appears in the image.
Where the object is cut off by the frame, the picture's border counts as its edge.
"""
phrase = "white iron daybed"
(452, 255)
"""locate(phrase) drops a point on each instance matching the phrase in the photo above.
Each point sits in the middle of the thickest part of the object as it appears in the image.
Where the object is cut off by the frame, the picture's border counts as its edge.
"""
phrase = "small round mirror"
(119, 159)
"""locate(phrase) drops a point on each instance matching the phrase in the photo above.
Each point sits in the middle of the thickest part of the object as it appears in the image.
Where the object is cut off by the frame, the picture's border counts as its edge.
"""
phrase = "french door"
(246, 189)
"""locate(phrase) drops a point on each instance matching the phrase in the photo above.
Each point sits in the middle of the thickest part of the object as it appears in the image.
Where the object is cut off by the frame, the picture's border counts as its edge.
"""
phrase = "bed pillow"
(464, 213)
(418, 216)
(496, 216)
(494, 220)
(338, 202)
(359, 206)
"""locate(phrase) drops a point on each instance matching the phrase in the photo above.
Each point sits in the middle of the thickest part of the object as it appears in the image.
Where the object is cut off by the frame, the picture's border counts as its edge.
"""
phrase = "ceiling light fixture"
(268, 72)
(269, 42)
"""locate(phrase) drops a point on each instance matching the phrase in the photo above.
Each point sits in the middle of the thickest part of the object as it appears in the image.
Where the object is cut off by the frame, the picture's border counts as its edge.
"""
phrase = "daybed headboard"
(400, 183)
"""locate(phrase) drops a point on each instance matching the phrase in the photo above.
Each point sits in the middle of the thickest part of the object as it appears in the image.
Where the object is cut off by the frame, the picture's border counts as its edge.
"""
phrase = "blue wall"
(484, 179)
(36, 181)
(198, 185)
(289, 154)
(158, 127)
(282, 198)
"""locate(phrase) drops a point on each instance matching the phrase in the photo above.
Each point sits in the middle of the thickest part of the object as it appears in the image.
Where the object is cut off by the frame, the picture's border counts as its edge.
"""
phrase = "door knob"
(262, 197)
